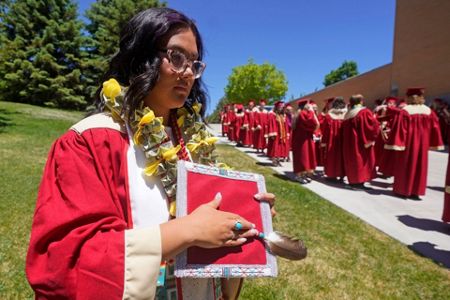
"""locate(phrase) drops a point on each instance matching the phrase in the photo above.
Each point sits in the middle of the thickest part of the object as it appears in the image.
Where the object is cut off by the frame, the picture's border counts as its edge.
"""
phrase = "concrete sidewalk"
(416, 224)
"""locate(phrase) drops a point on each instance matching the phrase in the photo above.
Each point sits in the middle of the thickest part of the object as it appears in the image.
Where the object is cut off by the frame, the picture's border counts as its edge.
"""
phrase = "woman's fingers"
(236, 242)
(249, 233)
(266, 197)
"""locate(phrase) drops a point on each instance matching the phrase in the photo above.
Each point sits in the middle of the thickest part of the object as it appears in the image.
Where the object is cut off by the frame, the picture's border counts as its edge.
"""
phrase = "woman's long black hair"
(137, 62)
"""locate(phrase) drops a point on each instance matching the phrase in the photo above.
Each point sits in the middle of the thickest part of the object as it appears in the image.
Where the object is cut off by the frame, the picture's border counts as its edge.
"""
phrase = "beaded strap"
(182, 154)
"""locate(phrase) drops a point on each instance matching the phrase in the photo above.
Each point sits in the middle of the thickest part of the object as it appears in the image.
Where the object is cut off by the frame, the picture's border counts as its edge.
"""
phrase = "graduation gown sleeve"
(369, 128)
(82, 242)
(436, 142)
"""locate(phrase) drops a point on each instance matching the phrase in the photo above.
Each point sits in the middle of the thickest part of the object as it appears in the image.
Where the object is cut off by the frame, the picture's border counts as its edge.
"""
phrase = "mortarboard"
(415, 91)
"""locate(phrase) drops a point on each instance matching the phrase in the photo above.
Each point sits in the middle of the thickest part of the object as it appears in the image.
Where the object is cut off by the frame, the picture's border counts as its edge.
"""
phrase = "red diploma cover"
(198, 184)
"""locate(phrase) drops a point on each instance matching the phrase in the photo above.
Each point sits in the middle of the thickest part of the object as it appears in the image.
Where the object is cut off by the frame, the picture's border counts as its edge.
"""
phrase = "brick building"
(421, 57)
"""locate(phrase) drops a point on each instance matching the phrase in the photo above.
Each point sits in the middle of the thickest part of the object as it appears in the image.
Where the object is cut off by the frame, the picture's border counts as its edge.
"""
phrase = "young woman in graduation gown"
(101, 229)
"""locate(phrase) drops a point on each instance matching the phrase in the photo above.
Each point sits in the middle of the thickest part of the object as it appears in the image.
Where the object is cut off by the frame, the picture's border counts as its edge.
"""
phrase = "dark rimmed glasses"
(179, 62)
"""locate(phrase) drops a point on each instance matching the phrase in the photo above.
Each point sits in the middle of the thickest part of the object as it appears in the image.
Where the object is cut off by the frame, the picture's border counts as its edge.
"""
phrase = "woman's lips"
(181, 88)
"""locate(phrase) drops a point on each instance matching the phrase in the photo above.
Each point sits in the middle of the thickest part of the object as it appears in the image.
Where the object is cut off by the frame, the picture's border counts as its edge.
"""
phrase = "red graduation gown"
(239, 122)
(260, 130)
(388, 159)
(332, 140)
(415, 132)
(77, 247)
(360, 129)
(278, 136)
(247, 128)
(303, 145)
(224, 121)
(231, 125)
(446, 212)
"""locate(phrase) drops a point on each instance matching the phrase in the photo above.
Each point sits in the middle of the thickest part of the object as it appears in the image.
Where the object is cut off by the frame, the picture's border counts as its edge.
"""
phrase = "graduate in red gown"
(332, 139)
(239, 123)
(303, 145)
(446, 210)
(440, 107)
(386, 158)
(321, 151)
(231, 116)
(248, 125)
(277, 134)
(260, 127)
(288, 112)
(360, 130)
(317, 136)
(378, 111)
(414, 133)
(101, 228)
(224, 119)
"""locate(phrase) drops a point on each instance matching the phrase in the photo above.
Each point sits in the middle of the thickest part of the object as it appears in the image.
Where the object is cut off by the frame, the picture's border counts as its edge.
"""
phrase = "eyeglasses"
(180, 62)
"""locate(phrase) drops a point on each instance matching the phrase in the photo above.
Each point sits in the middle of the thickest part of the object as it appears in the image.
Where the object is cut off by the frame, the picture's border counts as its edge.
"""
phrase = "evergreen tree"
(107, 17)
(40, 55)
(346, 70)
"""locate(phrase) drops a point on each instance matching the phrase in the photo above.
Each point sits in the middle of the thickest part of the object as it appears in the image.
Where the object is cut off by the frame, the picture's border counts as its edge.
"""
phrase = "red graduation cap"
(401, 102)
(391, 100)
(328, 101)
(303, 101)
(239, 106)
(251, 102)
(288, 105)
(262, 102)
(279, 104)
(415, 91)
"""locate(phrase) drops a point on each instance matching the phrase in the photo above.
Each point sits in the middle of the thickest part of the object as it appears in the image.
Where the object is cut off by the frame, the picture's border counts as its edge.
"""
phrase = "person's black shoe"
(301, 179)
(332, 179)
(359, 186)
(415, 198)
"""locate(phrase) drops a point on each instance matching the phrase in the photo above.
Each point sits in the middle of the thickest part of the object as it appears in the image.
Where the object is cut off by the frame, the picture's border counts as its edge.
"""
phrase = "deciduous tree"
(253, 81)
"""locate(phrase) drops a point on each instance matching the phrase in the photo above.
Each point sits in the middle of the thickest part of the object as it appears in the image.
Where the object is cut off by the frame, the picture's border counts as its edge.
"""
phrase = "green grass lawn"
(347, 259)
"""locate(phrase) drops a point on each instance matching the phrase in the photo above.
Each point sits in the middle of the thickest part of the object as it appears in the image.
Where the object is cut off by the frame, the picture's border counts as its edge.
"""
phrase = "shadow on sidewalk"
(427, 249)
(425, 224)
(436, 188)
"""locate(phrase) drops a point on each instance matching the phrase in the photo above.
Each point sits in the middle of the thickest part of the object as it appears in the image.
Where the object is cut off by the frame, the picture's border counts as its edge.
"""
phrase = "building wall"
(421, 57)
(421, 54)
(373, 85)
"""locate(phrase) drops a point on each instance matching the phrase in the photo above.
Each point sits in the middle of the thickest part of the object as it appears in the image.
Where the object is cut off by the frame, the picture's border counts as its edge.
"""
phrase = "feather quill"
(282, 245)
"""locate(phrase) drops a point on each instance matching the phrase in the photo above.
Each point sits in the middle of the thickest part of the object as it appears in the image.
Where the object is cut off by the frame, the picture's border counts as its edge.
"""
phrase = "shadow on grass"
(425, 224)
(264, 164)
(427, 249)
(5, 119)
(284, 176)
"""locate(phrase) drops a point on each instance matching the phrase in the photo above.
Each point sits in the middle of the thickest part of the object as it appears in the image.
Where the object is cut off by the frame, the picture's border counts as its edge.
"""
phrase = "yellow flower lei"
(149, 133)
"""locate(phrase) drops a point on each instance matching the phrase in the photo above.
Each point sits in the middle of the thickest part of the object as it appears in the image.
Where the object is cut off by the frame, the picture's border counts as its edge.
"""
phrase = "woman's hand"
(208, 227)
(212, 228)
(267, 197)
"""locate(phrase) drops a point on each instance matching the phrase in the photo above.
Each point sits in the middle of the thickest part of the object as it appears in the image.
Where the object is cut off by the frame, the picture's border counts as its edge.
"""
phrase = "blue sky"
(304, 39)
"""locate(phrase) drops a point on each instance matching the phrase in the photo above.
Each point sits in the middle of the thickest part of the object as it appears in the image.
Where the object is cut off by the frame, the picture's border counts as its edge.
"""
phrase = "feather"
(282, 245)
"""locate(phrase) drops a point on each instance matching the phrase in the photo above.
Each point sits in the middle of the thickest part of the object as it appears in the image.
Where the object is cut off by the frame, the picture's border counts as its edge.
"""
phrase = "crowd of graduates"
(348, 139)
